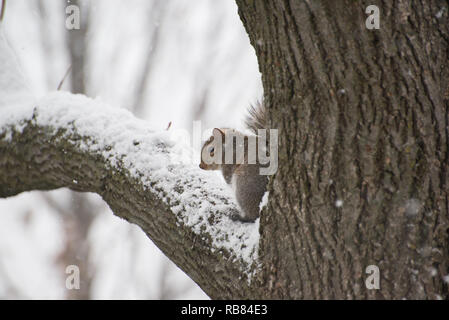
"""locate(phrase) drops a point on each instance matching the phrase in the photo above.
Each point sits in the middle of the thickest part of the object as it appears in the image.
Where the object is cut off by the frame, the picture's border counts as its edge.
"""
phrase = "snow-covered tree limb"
(146, 177)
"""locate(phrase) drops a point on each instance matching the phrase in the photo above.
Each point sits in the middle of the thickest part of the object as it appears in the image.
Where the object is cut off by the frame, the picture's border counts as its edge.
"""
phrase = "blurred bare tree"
(77, 218)
(79, 213)
(77, 43)
(156, 10)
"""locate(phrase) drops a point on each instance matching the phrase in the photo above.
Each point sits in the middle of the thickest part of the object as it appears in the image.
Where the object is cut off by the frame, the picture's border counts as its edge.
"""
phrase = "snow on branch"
(163, 166)
(67, 140)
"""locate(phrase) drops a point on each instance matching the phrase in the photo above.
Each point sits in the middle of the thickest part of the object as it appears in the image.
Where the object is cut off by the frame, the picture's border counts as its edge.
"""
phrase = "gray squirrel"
(248, 184)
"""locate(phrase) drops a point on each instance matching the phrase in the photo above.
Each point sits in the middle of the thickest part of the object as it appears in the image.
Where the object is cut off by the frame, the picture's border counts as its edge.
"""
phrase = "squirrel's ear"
(217, 131)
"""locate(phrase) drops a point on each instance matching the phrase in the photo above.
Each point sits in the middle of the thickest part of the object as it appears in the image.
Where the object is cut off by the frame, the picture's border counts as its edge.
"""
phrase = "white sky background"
(203, 46)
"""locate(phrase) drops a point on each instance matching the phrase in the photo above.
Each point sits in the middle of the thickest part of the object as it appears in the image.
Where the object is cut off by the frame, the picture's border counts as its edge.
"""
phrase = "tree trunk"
(363, 147)
(363, 161)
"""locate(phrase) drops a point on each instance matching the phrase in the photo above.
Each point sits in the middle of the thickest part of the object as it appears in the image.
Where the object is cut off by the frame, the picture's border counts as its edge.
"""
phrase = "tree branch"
(72, 141)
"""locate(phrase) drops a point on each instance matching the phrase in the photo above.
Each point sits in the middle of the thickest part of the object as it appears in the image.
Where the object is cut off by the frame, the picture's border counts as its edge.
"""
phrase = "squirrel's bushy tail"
(257, 117)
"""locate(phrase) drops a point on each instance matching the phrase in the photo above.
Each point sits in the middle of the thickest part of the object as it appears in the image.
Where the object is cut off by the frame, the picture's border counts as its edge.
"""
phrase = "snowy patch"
(339, 203)
(440, 13)
(263, 203)
(433, 272)
(412, 207)
(446, 278)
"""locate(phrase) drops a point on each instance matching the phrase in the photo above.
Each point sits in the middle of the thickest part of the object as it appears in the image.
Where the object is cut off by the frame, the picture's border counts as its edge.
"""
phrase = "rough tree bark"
(363, 158)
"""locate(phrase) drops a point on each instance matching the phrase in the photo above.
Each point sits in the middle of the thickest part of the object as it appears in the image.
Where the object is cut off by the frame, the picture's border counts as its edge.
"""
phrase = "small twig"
(65, 76)
(2, 12)
(169, 125)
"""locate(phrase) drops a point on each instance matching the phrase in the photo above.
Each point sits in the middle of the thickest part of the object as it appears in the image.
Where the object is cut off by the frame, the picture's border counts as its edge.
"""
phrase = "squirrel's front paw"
(235, 216)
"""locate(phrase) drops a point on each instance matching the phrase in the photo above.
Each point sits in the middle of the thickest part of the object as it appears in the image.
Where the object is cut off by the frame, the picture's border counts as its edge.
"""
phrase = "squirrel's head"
(213, 152)
(212, 156)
